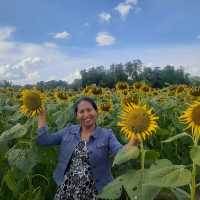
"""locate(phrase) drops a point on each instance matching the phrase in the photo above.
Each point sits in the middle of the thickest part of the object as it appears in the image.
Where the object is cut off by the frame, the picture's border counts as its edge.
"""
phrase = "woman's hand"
(133, 141)
(42, 119)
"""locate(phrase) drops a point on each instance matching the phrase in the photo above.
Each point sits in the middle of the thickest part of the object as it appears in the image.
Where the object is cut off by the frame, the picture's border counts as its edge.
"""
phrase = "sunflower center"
(32, 101)
(106, 107)
(196, 115)
(138, 120)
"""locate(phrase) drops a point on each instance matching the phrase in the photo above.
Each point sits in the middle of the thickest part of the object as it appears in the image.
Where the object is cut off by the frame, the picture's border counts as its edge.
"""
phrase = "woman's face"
(86, 114)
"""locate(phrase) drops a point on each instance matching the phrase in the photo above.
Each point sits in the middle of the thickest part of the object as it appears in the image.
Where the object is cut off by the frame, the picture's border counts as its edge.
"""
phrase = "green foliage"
(16, 131)
(26, 168)
(195, 154)
(164, 174)
(176, 137)
(131, 183)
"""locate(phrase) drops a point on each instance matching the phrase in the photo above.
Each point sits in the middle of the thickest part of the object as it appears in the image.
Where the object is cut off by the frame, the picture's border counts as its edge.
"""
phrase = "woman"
(84, 165)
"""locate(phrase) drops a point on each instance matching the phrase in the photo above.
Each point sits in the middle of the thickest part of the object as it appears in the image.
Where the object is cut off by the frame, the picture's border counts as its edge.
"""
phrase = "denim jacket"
(101, 146)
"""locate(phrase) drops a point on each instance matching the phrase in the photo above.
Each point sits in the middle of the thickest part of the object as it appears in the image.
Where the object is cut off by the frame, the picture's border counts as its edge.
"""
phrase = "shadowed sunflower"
(130, 98)
(191, 117)
(137, 85)
(33, 102)
(97, 91)
(105, 107)
(145, 88)
(61, 95)
(137, 121)
(181, 88)
(121, 85)
(195, 91)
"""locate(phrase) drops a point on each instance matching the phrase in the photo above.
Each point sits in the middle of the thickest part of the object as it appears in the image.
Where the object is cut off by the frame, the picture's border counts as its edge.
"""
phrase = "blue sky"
(55, 39)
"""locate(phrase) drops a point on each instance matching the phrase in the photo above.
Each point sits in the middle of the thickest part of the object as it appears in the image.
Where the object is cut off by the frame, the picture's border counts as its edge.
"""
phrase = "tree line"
(130, 72)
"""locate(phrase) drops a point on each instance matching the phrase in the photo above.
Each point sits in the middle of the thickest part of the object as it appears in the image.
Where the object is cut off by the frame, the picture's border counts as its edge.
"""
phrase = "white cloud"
(134, 2)
(6, 46)
(33, 77)
(5, 32)
(9, 72)
(198, 37)
(75, 75)
(23, 71)
(105, 17)
(50, 45)
(124, 8)
(28, 63)
(62, 35)
(105, 39)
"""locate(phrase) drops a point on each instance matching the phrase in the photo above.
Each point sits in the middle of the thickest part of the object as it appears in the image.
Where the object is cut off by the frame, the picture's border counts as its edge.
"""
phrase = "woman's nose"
(85, 114)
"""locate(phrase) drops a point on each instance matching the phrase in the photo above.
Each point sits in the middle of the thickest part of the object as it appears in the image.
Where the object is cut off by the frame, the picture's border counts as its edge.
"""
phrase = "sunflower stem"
(193, 185)
(29, 179)
(142, 159)
(193, 188)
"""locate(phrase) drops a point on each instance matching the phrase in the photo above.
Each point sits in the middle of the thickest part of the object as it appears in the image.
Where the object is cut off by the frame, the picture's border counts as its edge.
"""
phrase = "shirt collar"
(77, 129)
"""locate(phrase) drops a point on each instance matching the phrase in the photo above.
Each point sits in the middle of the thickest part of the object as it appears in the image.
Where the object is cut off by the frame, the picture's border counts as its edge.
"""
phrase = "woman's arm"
(115, 146)
(42, 119)
(43, 137)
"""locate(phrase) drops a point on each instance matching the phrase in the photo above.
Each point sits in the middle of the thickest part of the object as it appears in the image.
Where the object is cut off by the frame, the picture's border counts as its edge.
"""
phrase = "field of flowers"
(165, 165)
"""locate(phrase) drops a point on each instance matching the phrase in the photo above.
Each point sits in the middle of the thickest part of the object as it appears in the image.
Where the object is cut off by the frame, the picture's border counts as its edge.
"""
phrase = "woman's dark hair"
(88, 99)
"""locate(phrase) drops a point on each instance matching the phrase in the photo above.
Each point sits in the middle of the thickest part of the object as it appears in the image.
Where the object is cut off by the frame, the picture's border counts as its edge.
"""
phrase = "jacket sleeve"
(114, 144)
(44, 138)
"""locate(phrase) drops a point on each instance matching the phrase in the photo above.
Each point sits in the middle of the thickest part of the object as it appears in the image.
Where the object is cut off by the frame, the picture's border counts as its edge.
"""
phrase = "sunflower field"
(166, 122)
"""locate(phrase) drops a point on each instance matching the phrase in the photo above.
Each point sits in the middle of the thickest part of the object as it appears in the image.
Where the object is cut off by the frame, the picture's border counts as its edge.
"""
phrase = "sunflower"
(105, 107)
(121, 85)
(87, 91)
(191, 117)
(97, 91)
(33, 102)
(172, 87)
(180, 89)
(137, 85)
(145, 88)
(137, 121)
(195, 91)
(60, 95)
(107, 94)
(130, 98)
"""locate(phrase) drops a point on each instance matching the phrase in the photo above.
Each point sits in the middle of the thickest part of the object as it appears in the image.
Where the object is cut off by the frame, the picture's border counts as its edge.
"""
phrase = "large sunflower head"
(137, 121)
(32, 102)
(191, 117)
